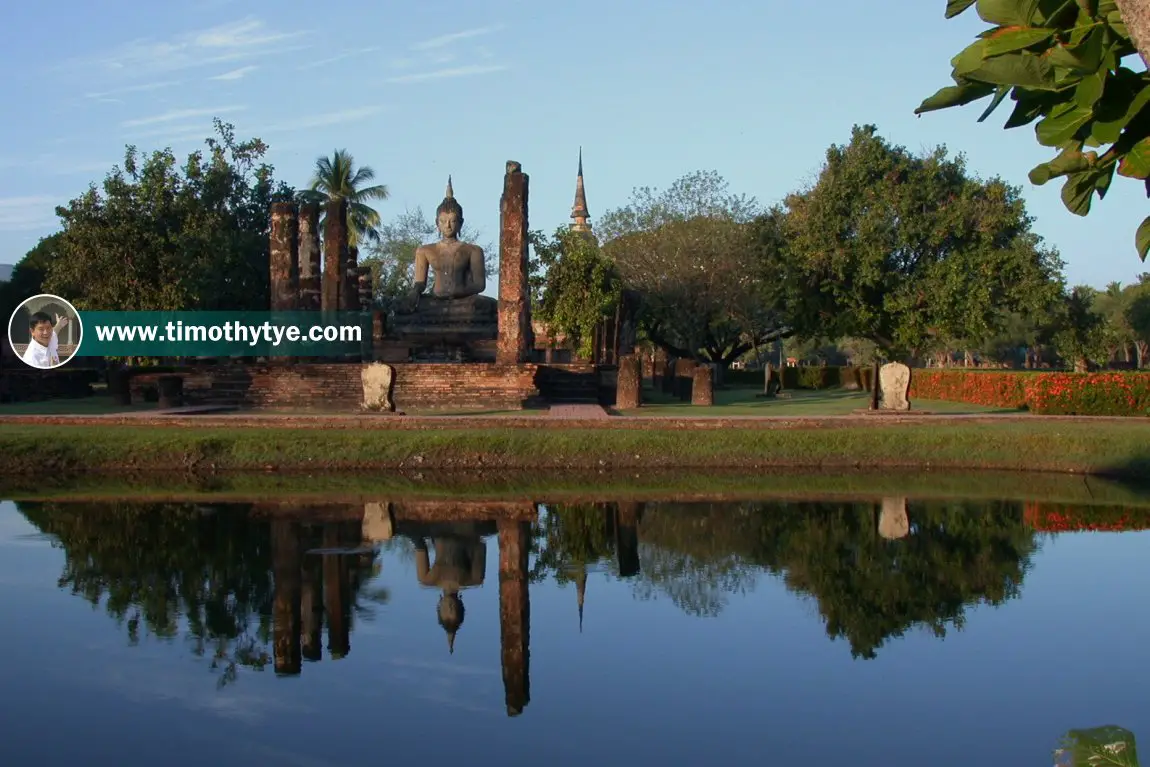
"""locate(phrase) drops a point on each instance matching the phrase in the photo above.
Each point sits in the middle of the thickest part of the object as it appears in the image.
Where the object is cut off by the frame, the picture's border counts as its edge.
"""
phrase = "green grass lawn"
(796, 402)
(1117, 447)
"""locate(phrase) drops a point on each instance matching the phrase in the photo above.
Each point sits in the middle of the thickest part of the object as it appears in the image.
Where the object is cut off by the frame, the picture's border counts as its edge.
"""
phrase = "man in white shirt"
(43, 349)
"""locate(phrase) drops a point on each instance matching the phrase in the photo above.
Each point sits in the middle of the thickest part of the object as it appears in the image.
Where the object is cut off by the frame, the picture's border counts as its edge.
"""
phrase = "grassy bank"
(575, 486)
(798, 403)
(1103, 447)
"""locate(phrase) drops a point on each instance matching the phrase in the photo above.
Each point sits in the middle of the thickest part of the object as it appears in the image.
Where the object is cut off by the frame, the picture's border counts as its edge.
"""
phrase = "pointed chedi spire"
(579, 212)
(581, 592)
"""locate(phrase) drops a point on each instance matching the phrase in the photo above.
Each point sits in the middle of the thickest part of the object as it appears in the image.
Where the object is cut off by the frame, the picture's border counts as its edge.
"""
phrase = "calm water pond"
(942, 633)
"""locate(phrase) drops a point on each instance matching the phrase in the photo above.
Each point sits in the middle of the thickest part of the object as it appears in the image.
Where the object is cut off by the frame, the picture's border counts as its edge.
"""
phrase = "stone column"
(627, 515)
(514, 344)
(336, 586)
(311, 607)
(514, 614)
(628, 384)
(309, 257)
(284, 257)
(286, 563)
(703, 386)
(334, 253)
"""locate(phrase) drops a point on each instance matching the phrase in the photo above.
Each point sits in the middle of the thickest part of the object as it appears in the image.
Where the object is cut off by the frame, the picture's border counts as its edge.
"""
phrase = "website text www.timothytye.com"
(234, 331)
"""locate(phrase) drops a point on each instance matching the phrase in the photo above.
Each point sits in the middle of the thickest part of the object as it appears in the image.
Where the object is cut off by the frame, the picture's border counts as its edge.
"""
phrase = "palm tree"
(337, 177)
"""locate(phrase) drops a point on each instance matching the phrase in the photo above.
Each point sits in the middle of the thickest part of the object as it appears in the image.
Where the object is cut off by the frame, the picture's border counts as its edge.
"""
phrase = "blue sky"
(651, 89)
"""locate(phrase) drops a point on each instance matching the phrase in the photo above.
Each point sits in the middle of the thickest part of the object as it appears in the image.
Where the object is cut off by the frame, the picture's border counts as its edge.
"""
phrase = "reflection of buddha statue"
(454, 307)
(460, 563)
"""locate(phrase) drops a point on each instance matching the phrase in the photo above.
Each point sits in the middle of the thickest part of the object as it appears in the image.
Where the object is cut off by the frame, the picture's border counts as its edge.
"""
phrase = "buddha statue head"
(449, 215)
(450, 613)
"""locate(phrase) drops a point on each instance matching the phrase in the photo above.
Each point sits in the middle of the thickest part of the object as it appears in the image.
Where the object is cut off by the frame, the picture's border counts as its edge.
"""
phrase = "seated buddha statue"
(454, 307)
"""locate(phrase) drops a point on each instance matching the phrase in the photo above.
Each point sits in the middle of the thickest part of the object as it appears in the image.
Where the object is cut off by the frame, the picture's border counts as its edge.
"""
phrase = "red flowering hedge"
(1125, 393)
(1058, 518)
(1089, 394)
(992, 389)
(1109, 393)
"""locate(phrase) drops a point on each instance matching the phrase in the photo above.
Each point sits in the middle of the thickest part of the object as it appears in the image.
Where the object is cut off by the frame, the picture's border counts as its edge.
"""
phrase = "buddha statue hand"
(410, 305)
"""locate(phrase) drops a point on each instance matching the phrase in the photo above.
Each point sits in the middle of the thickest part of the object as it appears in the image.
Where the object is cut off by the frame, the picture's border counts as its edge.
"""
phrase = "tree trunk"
(1136, 16)
(1140, 349)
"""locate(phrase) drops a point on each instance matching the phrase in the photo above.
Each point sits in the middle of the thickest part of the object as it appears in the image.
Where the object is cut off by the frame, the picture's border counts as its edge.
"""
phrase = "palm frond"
(377, 192)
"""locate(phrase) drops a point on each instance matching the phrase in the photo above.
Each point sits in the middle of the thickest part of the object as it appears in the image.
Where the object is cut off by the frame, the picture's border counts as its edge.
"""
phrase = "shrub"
(1060, 518)
(1006, 390)
(1112, 393)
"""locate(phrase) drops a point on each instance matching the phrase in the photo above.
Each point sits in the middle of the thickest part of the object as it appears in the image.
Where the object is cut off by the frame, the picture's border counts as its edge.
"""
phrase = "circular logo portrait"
(45, 331)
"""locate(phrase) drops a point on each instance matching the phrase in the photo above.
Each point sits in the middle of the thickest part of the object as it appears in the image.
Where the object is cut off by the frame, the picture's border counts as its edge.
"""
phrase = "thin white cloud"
(442, 40)
(22, 214)
(242, 39)
(102, 95)
(320, 121)
(236, 74)
(180, 114)
(340, 57)
(441, 74)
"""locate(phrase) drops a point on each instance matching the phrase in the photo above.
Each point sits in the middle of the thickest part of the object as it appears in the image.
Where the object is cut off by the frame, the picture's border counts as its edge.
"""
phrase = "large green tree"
(203, 574)
(337, 177)
(1138, 318)
(158, 236)
(908, 251)
(688, 253)
(1081, 335)
(577, 287)
(28, 275)
(1062, 63)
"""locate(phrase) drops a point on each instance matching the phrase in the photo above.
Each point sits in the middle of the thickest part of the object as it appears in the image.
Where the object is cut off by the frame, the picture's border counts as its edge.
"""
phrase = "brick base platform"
(339, 387)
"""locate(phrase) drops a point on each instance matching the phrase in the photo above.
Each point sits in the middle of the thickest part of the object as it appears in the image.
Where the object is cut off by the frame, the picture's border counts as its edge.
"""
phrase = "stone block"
(893, 522)
(894, 386)
(378, 380)
(628, 383)
(703, 386)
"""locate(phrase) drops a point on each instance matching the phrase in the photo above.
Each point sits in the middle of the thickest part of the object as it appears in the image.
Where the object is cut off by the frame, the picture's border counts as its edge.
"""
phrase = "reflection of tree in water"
(695, 554)
(868, 588)
(569, 538)
(155, 565)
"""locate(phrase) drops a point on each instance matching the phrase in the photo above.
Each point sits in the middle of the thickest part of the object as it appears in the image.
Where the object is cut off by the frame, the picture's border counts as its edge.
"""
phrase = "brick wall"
(339, 386)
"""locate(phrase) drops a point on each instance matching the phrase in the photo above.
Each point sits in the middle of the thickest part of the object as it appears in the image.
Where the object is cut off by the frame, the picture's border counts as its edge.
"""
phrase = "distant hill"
(5, 272)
